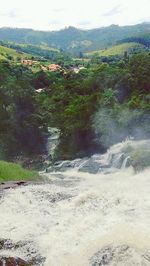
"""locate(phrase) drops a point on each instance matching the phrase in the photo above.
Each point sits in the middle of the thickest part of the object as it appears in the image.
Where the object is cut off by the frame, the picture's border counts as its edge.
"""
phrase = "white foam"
(68, 221)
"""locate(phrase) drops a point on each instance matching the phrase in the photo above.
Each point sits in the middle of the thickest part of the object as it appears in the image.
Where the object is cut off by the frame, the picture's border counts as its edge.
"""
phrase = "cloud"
(59, 10)
(13, 13)
(56, 14)
(114, 11)
(10, 14)
(84, 23)
(55, 22)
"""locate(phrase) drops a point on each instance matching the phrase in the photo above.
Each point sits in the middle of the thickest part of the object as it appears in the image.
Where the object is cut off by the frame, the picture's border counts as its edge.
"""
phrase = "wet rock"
(16, 184)
(90, 166)
(7, 244)
(38, 261)
(35, 257)
(103, 257)
(2, 243)
(12, 184)
(10, 261)
(120, 256)
(59, 166)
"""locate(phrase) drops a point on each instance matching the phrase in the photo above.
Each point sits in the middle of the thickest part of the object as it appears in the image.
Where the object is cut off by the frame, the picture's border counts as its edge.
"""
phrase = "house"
(76, 69)
(53, 67)
(40, 90)
(28, 62)
(44, 68)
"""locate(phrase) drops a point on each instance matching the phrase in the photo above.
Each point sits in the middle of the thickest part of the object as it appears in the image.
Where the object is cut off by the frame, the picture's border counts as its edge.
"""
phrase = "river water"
(78, 218)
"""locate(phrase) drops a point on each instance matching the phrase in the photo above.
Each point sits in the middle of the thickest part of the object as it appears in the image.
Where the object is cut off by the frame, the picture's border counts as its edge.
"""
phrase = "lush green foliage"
(12, 171)
(20, 126)
(113, 96)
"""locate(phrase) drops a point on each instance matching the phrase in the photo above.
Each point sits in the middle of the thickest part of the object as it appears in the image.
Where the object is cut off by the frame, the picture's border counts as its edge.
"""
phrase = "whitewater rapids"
(80, 219)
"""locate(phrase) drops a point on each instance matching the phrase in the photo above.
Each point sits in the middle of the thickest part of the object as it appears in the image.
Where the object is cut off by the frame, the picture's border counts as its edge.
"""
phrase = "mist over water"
(112, 127)
(78, 218)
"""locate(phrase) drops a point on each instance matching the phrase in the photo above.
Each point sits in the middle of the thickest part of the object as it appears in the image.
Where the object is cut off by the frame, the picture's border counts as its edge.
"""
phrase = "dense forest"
(105, 102)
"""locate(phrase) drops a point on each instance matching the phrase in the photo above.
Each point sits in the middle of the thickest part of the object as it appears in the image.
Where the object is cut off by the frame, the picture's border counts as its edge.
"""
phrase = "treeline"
(78, 104)
(142, 39)
(21, 129)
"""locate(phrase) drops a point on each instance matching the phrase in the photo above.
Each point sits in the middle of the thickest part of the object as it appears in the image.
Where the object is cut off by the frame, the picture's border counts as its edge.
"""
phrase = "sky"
(86, 14)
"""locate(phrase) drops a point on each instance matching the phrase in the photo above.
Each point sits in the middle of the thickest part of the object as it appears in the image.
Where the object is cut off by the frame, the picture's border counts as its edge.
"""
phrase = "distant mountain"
(75, 40)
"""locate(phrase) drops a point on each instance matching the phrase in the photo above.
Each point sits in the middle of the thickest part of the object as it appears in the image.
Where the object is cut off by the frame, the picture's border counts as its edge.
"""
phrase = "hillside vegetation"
(11, 54)
(119, 49)
(93, 108)
(94, 101)
(75, 40)
(142, 38)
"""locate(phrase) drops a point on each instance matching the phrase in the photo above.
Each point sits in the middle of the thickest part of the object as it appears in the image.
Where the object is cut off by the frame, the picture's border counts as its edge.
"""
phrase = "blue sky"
(58, 14)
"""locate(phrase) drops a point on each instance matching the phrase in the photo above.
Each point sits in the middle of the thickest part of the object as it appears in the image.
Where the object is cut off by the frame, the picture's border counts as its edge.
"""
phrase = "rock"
(59, 166)
(7, 244)
(90, 166)
(122, 255)
(82, 165)
(12, 184)
(10, 261)
(2, 243)
(103, 257)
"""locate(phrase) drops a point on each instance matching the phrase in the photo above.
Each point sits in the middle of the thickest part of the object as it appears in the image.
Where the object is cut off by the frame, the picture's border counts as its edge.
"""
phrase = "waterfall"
(119, 156)
(92, 211)
(52, 141)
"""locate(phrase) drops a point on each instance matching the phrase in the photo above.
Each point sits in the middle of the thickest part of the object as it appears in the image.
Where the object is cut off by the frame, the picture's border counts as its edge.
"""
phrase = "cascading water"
(79, 218)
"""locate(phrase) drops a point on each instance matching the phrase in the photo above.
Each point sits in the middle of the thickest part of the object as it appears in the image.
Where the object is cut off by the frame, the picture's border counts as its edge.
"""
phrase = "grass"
(5, 52)
(14, 172)
(43, 47)
(116, 50)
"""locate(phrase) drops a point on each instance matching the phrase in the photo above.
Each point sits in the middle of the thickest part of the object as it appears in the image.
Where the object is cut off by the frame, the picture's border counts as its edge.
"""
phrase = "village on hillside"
(51, 67)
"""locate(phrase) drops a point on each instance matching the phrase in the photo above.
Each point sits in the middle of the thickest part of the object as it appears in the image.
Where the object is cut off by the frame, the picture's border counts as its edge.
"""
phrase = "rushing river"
(79, 218)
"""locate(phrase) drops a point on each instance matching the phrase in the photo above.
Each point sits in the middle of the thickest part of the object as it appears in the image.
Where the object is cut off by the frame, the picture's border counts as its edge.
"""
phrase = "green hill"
(11, 54)
(119, 49)
(36, 50)
(41, 53)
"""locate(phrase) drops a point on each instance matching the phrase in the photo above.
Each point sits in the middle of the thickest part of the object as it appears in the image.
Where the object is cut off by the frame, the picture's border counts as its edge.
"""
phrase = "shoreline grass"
(14, 172)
